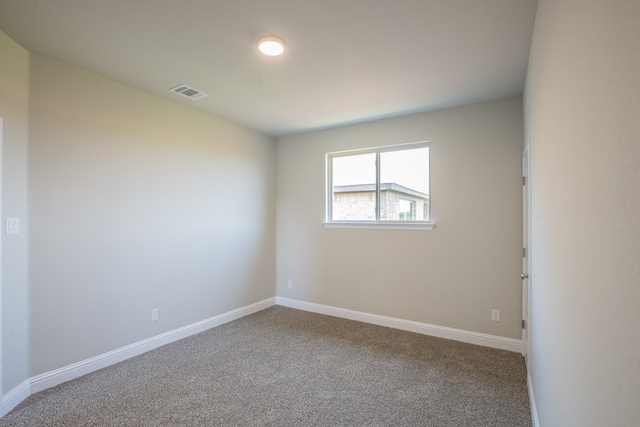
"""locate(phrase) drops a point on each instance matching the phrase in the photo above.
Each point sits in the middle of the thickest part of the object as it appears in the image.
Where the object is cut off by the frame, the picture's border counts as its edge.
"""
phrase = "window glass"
(404, 184)
(386, 184)
(354, 191)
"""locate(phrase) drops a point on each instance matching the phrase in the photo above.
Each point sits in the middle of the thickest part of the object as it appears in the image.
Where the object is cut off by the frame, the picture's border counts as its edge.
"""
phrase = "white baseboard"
(14, 397)
(477, 338)
(67, 373)
(532, 402)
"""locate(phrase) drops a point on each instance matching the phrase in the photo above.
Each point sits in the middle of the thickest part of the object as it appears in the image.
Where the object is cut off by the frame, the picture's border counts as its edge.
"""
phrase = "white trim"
(14, 397)
(383, 225)
(526, 216)
(470, 337)
(532, 402)
(1, 239)
(330, 223)
(67, 373)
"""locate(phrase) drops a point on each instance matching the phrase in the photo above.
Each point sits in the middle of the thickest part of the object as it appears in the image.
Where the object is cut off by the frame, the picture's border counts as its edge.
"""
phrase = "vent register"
(189, 92)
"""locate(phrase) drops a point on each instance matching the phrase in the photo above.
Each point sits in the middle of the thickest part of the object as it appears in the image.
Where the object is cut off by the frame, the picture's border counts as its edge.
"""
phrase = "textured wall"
(14, 97)
(138, 203)
(451, 276)
(582, 106)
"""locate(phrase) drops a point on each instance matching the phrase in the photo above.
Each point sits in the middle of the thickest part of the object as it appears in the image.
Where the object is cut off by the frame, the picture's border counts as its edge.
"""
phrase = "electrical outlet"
(495, 315)
(290, 284)
(155, 314)
(12, 226)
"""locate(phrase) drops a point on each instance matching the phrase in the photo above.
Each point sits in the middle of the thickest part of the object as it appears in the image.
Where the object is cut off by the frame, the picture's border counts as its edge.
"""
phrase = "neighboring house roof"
(389, 186)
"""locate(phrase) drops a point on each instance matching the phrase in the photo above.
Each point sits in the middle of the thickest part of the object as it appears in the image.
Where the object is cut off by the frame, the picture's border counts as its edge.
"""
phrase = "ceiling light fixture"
(271, 45)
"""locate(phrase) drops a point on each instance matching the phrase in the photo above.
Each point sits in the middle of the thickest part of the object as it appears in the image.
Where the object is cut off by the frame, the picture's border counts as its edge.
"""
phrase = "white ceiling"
(347, 60)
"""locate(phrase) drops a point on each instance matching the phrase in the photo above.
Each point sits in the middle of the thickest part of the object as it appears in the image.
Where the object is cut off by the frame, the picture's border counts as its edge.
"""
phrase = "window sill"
(384, 225)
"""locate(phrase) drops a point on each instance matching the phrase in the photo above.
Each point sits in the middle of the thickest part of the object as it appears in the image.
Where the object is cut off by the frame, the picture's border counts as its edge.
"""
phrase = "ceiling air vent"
(189, 92)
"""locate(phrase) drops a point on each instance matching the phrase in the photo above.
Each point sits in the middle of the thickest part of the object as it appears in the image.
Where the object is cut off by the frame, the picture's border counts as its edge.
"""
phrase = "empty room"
(302, 212)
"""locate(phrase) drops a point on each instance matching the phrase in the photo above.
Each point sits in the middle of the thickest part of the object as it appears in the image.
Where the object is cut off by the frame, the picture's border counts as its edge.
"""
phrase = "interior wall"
(451, 276)
(14, 97)
(138, 203)
(582, 106)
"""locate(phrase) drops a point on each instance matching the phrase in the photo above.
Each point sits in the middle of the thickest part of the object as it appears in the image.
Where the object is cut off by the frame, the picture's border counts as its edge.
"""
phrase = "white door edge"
(1, 238)
(526, 264)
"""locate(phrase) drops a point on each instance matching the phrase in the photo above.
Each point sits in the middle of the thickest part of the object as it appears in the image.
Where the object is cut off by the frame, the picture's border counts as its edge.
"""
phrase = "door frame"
(526, 255)
(1, 241)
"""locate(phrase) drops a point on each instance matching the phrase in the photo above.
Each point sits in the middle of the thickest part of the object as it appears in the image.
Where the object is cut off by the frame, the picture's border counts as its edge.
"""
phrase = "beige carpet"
(285, 367)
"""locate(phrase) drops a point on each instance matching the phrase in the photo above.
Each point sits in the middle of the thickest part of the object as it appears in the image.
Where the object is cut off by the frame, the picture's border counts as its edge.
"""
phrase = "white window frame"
(377, 223)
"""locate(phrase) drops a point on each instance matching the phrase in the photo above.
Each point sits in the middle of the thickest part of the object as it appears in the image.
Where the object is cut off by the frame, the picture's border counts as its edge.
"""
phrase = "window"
(405, 210)
(385, 186)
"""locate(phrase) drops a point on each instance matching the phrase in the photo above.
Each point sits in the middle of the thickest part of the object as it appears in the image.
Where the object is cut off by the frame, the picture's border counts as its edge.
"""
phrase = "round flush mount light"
(271, 45)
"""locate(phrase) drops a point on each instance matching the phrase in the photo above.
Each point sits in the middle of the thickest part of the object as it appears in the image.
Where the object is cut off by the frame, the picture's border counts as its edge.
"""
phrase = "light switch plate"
(12, 226)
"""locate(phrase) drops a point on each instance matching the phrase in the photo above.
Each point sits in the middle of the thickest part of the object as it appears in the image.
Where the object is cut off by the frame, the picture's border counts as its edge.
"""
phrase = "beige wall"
(138, 203)
(582, 116)
(14, 96)
(451, 276)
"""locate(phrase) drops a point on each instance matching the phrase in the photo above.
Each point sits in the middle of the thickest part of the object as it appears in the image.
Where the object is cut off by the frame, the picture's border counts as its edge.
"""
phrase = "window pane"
(354, 188)
(404, 185)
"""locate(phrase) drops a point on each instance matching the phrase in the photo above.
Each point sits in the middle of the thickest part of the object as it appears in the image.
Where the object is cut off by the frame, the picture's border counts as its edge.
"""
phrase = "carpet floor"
(286, 367)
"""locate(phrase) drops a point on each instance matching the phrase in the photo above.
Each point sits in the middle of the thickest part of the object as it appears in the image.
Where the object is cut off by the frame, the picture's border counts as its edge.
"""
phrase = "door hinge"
(524, 252)
(524, 180)
(523, 324)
